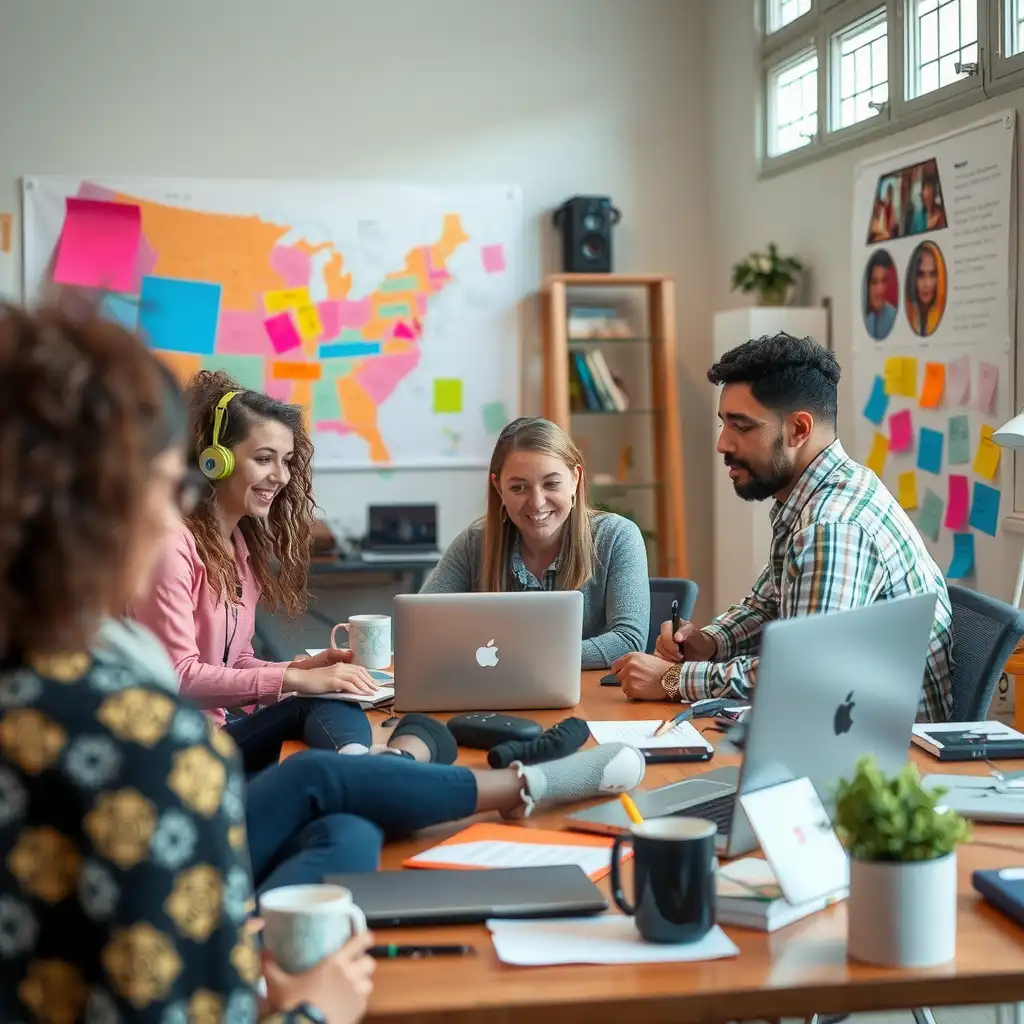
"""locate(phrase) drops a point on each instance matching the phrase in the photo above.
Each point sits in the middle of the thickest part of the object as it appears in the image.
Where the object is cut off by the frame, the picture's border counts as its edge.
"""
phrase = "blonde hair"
(577, 555)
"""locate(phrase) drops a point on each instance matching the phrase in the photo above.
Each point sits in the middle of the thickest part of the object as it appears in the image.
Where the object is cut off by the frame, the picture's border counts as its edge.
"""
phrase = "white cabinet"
(742, 531)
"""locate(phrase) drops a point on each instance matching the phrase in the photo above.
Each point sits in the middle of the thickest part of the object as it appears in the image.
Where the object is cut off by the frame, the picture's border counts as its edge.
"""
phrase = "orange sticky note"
(6, 220)
(986, 462)
(934, 385)
(183, 365)
(877, 456)
(295, 371)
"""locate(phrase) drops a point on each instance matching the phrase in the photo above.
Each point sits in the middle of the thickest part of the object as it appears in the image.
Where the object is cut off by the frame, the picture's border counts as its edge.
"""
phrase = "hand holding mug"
(370, 639)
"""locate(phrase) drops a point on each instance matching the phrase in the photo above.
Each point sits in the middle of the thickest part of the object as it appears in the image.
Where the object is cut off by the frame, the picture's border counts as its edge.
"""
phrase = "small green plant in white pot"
(901, 911)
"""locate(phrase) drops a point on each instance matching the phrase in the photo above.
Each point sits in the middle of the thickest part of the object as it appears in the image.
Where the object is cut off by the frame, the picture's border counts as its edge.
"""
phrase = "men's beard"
(759, 488)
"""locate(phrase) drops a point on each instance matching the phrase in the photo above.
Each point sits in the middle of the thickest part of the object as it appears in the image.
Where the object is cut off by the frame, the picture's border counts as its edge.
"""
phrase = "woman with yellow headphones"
(250, 538)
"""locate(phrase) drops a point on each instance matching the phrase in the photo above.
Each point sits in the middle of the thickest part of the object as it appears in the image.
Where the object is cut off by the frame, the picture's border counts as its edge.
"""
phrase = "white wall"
(558, 96)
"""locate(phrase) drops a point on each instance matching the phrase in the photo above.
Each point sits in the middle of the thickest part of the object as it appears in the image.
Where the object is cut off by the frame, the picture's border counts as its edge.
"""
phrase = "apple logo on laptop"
(843, 720)
(487, 657)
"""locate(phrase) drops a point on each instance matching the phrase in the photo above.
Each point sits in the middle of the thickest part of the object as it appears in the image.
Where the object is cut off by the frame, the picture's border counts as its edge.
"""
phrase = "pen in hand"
(675, 625)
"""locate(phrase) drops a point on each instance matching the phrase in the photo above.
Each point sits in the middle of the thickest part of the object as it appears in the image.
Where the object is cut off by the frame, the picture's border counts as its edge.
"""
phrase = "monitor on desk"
(401, 530)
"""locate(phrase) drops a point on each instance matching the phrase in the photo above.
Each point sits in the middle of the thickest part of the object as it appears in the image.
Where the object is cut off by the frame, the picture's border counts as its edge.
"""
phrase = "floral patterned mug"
(369, 636)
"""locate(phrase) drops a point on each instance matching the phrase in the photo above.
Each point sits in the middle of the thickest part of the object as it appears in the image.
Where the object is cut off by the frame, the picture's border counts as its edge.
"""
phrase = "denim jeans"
(319, 722)
(320, 813)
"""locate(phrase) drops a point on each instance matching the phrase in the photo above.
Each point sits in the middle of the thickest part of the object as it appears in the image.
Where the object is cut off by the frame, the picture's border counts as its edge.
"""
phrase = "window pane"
(880, 61)
(861, 68)
(929, 48)
(846, 87)
(793, 103)
(782, 12)
(968, 23)
(847, 115)
(947, 70)
(945, 33)
(929, 78)
(949, 27)
(927, 5)
(1015, 29)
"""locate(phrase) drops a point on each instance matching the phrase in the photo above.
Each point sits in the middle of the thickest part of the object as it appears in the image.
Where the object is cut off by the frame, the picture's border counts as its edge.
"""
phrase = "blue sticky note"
(180, 316)
(929, 451)
(985, 508)
(877, 403)
(962, 564)
(122, 310)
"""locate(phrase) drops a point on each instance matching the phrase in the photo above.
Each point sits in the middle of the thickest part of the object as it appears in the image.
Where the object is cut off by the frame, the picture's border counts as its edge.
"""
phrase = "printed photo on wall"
(880, 294)
(926, 289)
(907, 202)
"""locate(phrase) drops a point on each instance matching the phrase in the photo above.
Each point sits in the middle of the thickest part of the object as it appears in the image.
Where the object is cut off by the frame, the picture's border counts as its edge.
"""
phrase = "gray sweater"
(616, 601)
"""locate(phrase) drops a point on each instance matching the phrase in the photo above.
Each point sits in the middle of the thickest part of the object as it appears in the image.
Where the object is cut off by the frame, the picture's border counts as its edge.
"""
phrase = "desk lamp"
(1011, 435)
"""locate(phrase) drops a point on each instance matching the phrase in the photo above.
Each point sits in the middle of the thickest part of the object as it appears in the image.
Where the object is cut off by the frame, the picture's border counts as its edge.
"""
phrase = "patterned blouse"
(125, 881)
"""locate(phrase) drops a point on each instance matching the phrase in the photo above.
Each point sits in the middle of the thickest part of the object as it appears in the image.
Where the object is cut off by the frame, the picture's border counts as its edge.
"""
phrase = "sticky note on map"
(285, 299)
(296, 370)
(493, 257)
(247, 370)
(447, 395)
(901, 431)
(958, 380)
(929, 450)
(876, 457)
(956, 506)
(98, 245)
(929, 519)
(494, 416)
(307, 319)
(179, 316)
(959, 440)
(906, 493)
(933, 386)
(986, 461)
(878, 402)
(961, 566)
(283, 333)
(988, 381)
(985, 508)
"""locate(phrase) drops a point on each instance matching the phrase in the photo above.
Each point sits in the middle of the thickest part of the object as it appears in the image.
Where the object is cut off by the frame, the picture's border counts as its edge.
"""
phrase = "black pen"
(675, 624)
(392, 951)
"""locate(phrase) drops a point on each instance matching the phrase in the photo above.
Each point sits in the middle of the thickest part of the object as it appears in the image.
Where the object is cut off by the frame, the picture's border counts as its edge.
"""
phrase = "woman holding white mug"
(369, 638)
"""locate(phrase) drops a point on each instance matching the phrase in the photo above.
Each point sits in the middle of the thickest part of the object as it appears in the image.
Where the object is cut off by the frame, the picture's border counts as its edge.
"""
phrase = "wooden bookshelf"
(658, 410)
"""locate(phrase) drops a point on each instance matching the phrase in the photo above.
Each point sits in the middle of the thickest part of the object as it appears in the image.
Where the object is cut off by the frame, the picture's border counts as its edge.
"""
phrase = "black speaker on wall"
(586, 224)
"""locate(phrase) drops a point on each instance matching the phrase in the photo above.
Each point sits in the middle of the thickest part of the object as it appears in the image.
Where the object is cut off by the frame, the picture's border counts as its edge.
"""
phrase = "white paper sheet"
(495, 854)
(638, 734)
(608, 939)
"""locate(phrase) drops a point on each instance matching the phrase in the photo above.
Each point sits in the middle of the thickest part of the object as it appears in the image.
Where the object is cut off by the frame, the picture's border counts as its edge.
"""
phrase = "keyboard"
(718, 811)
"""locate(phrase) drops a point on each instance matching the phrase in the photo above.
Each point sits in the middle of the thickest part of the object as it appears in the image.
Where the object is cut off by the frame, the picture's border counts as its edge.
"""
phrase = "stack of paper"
(610, 939)
(640, 734)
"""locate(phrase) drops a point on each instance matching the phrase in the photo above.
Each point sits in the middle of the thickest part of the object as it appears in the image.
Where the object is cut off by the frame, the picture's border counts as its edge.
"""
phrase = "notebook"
(969, 741)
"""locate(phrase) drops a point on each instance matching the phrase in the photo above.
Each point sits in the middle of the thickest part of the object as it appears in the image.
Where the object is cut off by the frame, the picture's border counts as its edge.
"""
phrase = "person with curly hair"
(250, 539)
(839, 538)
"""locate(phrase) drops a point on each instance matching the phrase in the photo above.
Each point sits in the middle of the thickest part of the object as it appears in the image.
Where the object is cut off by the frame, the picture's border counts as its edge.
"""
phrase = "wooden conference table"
(795, 972)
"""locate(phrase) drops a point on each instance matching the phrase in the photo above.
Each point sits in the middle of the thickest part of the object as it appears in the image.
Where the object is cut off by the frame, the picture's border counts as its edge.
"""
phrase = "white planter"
(902, 914)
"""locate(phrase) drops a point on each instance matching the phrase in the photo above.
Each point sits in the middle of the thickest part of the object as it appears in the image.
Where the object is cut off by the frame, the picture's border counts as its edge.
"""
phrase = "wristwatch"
(670, 681)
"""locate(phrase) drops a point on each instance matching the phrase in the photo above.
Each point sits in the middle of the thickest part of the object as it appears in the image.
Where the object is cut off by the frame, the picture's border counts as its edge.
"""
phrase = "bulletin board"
(933, 339)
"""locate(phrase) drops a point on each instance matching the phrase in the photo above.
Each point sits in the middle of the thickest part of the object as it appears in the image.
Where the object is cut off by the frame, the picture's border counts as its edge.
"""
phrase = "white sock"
(354, 748)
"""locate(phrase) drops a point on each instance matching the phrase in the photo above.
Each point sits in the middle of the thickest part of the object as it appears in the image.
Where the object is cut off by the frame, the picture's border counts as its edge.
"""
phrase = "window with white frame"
(860, 70)
(782, 12)
(943, 35)
(793, 103)
(1014, 27)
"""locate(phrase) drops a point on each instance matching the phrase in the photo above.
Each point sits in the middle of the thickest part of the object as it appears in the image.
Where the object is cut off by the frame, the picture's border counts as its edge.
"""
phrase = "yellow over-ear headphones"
(218, 462)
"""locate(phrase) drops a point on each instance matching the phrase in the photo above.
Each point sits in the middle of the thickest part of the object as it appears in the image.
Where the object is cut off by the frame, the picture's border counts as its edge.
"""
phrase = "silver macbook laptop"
(488, 652)
(829, 689)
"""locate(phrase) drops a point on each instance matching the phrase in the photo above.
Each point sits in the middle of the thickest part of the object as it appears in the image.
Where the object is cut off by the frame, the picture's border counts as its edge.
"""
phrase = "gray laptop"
(422, 896)
(829, 689)
(487, 652)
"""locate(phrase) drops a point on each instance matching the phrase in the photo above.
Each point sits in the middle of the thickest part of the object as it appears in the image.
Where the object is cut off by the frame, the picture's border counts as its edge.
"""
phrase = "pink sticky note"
(988, 380)
(493, 257)
(901, 431)
(99, 244)
(958, 380)
(403, 330)
(283, 333)
(956, 509)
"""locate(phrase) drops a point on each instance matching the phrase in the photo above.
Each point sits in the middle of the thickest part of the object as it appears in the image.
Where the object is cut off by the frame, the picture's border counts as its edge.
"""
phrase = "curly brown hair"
(85, 408)
(286, 535)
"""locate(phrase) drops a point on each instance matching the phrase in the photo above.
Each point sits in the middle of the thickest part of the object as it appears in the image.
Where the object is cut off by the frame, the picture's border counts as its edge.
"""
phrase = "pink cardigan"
(212, 656)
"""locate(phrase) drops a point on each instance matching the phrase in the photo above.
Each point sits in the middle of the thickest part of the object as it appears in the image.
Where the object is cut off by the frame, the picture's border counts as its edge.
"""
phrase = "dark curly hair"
(286, 535)
(785, 374)
(85, 408)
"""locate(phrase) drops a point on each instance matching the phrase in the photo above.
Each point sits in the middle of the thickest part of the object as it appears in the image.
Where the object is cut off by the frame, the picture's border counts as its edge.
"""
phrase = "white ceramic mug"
(303, 924)
(369, 637)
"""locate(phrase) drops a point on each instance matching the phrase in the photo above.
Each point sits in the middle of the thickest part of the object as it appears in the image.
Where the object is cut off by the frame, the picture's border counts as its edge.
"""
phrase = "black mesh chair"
(663, 592)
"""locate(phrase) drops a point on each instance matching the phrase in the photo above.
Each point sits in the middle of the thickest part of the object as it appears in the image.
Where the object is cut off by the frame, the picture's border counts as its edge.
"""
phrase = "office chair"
(663, 592)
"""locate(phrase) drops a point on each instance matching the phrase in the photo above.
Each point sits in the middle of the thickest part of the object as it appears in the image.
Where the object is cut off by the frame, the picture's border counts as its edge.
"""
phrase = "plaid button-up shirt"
(839, 541)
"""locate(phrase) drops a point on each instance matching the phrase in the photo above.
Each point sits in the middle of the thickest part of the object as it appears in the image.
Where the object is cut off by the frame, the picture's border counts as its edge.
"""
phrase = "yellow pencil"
(631, 809)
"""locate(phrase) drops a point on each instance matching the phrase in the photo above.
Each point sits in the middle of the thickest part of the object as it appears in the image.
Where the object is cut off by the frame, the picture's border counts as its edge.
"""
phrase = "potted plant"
(901, 911)
(771, 276)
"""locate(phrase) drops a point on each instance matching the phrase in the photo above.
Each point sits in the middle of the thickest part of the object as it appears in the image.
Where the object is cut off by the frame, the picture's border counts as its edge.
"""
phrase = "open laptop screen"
(402, 527)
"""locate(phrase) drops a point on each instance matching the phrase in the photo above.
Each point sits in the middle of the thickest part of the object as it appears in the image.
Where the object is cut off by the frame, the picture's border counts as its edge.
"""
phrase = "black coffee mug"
(674, 874)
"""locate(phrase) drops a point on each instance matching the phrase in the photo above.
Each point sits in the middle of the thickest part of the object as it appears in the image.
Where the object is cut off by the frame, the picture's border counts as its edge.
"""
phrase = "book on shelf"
(588, 323)
(592, 385)
(748, 896)
(969, 741)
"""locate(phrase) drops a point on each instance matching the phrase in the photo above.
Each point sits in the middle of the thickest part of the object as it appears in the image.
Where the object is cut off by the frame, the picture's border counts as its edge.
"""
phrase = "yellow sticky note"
(909, 388)
(934, 385)
(986, 462)
(894, 375)
(307, 319)
(285, 299)
(876, 457)
(447, 395)
(906, 493)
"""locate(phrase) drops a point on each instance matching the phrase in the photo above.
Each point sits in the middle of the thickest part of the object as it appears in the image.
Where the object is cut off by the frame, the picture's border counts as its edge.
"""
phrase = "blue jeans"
(320, 813)
(319, 722)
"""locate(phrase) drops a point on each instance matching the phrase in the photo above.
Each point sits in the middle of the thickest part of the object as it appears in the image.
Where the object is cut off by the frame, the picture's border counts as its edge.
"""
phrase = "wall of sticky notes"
(932, 375)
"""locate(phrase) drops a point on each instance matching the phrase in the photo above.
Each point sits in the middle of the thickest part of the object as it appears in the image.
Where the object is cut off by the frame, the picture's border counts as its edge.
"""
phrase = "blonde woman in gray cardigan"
(540, 533)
